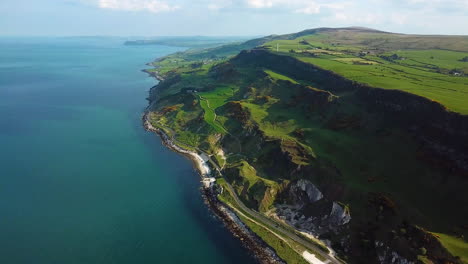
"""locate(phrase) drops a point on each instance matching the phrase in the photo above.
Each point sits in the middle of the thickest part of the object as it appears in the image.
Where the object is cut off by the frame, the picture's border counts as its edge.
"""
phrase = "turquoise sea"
(80, 179)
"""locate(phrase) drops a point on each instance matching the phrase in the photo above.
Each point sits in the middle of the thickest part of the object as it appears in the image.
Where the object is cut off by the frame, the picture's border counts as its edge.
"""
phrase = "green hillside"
(361, 114)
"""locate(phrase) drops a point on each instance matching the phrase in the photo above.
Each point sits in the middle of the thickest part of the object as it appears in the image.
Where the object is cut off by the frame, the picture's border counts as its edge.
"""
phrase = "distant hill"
(431, 66)
(191, 42)
(347, 50)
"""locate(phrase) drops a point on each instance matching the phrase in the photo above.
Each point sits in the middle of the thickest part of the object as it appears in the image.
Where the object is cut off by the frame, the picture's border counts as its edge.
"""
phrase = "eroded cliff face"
(306, 208)
(304, 192)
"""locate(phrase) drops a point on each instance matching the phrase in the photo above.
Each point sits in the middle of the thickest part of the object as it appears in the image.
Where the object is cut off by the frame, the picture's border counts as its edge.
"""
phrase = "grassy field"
(278, 76)
(210, 101)
(272, 129)
(455, 246)
(434, 73)
(249, 173)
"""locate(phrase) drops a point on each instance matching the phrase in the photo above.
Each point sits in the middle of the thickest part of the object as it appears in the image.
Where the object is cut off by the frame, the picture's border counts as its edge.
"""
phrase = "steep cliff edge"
(443, 133)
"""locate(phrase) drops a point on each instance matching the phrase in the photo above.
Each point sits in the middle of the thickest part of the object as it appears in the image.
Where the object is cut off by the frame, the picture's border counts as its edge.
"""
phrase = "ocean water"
(80, 179)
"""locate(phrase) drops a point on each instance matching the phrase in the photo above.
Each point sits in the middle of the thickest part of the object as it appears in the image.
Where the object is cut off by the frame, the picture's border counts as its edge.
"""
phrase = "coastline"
(196, 159)
(260, 250)
(154, 74)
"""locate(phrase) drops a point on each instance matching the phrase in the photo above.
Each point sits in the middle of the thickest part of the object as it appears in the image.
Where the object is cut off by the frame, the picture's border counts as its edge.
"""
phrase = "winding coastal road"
(274, 226)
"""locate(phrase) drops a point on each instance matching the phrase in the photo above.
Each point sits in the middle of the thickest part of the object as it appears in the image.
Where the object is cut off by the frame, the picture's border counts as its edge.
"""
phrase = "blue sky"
(226, 17)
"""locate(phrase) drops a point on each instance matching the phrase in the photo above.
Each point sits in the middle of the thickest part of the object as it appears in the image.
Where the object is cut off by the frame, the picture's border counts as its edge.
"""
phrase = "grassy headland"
(374, 120)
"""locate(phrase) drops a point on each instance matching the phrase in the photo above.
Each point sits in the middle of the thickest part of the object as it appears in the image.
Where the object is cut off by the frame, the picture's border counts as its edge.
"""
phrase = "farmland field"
(440, 75)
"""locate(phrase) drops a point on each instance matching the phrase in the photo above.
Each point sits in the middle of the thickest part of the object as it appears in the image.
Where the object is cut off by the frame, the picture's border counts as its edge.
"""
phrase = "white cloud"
(315, 8)
(260, 3)
(311, 8)
(153, 6)
(445, 6)
(399, 18)
(219, 4)
(350, 18)
(447, 16)
(298, 6)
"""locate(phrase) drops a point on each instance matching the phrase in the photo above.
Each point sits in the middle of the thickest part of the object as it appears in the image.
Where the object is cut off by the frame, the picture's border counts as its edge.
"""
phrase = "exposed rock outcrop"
(303, 191)
(309, 211)
(339, 215)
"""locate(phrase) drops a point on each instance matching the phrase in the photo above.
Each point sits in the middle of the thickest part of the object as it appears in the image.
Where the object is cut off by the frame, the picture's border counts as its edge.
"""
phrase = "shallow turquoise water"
(80, 180)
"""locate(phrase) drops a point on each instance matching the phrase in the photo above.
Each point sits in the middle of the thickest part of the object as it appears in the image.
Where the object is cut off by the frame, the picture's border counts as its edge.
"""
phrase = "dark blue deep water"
(80, 179)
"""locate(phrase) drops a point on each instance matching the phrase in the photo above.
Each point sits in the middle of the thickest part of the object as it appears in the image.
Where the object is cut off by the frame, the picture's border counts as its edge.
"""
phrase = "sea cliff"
(315, 162)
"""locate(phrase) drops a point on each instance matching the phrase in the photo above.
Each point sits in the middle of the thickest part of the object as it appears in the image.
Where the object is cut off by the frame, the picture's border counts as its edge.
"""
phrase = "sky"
(226, 17)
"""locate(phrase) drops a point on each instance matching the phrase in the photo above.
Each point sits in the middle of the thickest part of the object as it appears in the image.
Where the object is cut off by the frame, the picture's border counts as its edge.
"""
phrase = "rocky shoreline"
(154, 74)
(261, 251)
